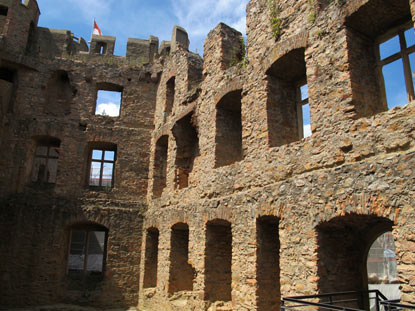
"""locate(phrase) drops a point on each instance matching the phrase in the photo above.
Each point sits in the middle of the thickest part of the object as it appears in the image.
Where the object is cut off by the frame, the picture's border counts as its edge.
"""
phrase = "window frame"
(102, 161)
(87, 228)
(403, 54)
(52, 144)
(300, 103)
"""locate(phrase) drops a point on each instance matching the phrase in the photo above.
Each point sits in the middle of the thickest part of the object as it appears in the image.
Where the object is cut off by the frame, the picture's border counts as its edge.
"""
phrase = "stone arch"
(228, 139)
(342, 246)
(282, 48)
(286, 79)
(233, 85)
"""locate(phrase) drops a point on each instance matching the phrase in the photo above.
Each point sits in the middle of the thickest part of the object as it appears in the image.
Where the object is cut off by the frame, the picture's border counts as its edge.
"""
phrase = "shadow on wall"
(343, 246)
(36, 246)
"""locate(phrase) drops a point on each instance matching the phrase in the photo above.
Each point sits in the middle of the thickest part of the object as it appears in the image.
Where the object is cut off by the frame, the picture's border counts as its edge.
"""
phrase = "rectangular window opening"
(108, 103)
(160, 166)
(45, 165)
(101, 172)
(151, 258)
(101, 48)
(3, 10)
(87, 251)
(170, 93)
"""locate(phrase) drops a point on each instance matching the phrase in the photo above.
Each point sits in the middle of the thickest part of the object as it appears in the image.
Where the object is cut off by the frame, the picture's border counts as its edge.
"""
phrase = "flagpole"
(92, 32)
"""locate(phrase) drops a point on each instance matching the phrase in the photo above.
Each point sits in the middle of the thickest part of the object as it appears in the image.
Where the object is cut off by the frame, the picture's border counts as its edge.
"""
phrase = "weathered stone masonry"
(215, 202)
(302, 212)
(52, 98)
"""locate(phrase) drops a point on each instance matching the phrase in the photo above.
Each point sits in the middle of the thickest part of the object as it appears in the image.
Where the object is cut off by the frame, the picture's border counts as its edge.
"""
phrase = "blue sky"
(141, 18)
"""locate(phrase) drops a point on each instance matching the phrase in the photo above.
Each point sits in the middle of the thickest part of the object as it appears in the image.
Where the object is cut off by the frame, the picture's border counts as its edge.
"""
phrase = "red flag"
(96, 30)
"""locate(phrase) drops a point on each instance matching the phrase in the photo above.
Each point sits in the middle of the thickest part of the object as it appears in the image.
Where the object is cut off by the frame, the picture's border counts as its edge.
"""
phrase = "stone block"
(103, 45)
(179, 37)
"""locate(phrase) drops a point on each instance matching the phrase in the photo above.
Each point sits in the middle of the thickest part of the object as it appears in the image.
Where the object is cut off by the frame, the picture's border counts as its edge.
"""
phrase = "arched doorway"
(344, 243)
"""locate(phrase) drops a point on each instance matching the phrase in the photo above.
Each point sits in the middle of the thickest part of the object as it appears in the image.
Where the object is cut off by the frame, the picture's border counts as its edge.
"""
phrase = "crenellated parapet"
(104, 45)
(57, 42)
(145, 50)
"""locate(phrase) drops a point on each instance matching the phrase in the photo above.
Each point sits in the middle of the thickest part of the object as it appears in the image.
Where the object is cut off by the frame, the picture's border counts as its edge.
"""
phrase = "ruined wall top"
(50, 43)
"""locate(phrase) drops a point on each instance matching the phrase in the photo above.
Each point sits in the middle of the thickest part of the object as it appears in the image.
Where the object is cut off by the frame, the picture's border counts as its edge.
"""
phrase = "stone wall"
(215, 202)
(36, 231)
(51, 99)
(315, 204)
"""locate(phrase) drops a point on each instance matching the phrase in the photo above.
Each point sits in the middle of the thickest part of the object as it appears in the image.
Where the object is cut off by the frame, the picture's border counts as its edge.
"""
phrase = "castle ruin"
(204, 193)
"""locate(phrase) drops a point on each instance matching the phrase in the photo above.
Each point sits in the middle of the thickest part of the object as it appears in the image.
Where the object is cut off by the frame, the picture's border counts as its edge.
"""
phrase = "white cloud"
(199, 17)
(108, 109)
(139, 19)
(307, 130)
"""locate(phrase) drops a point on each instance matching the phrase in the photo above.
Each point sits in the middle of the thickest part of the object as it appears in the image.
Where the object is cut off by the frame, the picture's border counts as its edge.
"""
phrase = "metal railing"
(395, 305)
(345, 301)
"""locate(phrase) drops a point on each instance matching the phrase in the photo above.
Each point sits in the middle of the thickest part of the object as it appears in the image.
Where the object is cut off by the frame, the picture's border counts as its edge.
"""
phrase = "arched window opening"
(151, 258)
(288, 109)
(45, 163)
(87, 251)
(170, 93)
(160, 165)
(101, 48)
(187, 141)
(343, 244)
(181, 272)
(229, 129)
(7, 89)
(381, 53)
(59, 94)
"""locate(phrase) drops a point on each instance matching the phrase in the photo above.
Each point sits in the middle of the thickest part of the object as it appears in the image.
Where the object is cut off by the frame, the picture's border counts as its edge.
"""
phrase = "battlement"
(50, 43)
(144, 50)
(265, 170)
(57, 42)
